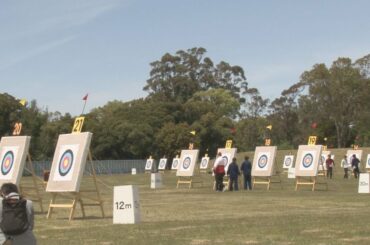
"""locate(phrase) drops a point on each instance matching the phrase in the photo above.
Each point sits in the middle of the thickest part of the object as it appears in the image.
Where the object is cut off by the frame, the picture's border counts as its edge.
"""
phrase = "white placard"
(126, 205)
(133, 171)
(291, 173)
(363, 183)
(155, 180)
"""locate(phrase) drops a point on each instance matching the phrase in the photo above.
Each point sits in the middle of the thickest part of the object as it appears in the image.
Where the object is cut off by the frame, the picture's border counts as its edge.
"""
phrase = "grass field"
(199, 215)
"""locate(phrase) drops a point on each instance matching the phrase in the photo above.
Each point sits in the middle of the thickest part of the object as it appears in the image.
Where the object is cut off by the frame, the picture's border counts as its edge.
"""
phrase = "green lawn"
(201, 216)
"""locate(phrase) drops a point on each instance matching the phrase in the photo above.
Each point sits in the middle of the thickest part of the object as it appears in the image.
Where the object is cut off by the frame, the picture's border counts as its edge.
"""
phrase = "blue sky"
(56, 51)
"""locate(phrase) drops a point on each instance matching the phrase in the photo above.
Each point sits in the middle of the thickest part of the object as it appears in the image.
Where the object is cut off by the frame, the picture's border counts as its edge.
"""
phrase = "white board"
(307, 161)
(13, 154)
(288, 161)
(188, 160)
(149, 164)
(126, 205)
(162, 164)
(175, 163)
(363, 183)
(368, 161)
(69, 162)
(263, 161)
(204, 163)
(291, 173)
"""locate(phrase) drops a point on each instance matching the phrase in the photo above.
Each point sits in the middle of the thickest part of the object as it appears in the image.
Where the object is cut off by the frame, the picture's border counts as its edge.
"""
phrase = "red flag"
(85, 97)
(314, 125)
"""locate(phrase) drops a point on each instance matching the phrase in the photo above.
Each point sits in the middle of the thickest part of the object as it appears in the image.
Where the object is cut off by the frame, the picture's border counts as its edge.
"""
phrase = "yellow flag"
(23, 102)
(193, 132)
(269, 127)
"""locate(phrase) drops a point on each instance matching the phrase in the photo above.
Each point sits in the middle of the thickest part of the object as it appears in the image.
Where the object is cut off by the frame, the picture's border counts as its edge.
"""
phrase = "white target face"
(8, 157)
(204, 163)
(148, 165)
(263, 159)
(288, 161)
(175, 163)
(186, 162)
(66, 163)
(368, 161)
(162, 163)
(226, 157)
(307, 160)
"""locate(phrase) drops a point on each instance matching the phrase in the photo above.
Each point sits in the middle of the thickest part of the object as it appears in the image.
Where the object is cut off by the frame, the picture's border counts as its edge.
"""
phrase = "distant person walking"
(345, 165)
(355, 163)
(329, 166)
(246, 169)
(233, 172)
(219, 171)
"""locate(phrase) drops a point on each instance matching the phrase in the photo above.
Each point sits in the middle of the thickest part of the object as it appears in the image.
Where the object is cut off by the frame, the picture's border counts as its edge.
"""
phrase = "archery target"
(368, 161)
(8, 157)
(187, 162)
(263, 161)
(226, 157)
(308, 160)
(69, 162)
(288, 161)
(175, 163)
(66, 163)
(162, 163)
(204, 163)
(13, 154)
(149, 164)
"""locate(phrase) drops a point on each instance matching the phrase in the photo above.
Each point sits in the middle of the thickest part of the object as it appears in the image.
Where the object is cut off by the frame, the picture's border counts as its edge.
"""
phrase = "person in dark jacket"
(246, 169)
(355, 166)
(233, 172)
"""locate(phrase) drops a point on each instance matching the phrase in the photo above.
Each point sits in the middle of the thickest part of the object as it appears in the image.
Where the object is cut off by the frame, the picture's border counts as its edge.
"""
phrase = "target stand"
(77, 197)
(188, 180)
(29, 191)
(266, 180)
(310, 181)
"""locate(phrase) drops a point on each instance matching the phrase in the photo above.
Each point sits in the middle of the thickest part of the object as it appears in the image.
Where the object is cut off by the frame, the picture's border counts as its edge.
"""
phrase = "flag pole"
(85, 99)
(83, 109)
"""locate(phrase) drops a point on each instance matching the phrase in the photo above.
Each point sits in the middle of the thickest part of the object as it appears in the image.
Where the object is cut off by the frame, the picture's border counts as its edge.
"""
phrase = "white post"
(126, 205)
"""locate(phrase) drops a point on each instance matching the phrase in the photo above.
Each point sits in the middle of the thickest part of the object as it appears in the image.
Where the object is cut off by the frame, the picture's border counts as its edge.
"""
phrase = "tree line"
(188, 92)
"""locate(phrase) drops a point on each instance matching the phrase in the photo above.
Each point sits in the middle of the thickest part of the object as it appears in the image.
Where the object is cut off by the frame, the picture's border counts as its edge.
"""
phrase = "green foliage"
(187, 92)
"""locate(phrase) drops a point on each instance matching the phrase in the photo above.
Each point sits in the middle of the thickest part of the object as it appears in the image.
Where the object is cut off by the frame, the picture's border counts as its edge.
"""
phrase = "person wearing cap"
(345, 165)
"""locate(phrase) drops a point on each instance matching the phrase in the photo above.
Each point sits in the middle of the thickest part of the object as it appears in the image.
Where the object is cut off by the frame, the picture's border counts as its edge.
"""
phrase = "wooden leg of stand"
(52, 201)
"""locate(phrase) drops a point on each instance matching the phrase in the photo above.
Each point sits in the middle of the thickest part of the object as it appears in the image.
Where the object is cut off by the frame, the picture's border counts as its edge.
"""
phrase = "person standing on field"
(329, 166)
(233, 172)
(345, 165)
(219, 171)
(355, 163)
(246, 169)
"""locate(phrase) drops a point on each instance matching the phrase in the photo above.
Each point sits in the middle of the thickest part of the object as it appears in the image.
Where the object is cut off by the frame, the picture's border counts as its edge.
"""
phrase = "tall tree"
(337, 94)
(177, 77)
